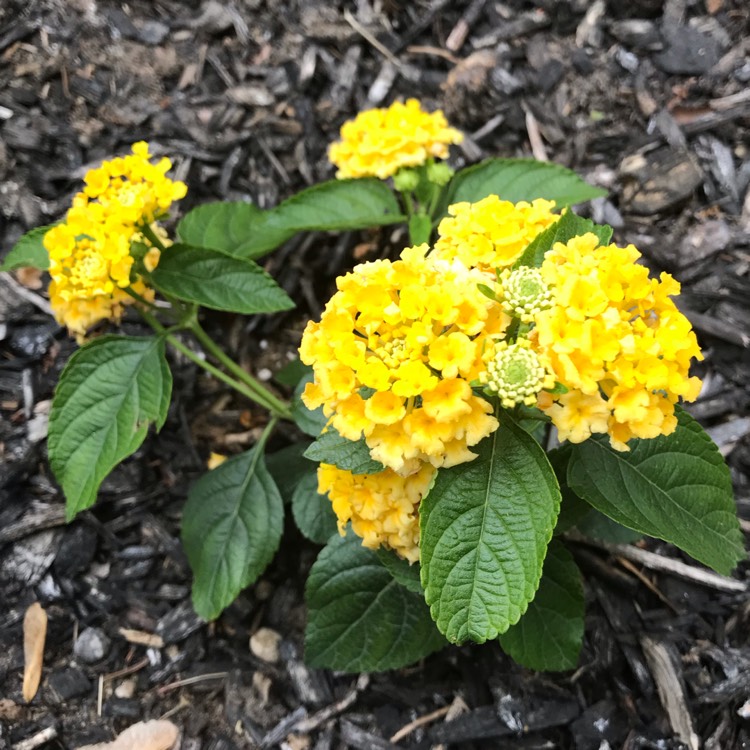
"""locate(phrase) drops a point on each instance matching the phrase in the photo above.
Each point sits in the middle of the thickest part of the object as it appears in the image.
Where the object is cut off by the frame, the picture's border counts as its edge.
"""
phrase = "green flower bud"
(439, 174)
(406, 180)
(516, 374)
(524, 293)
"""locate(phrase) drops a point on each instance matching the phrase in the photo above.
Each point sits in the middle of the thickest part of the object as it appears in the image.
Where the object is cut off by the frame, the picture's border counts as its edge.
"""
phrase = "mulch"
(649, 99)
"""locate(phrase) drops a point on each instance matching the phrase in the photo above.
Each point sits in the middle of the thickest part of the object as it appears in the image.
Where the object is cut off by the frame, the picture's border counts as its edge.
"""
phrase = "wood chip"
(671, 692)
(141, 638)
(145, 735)
(34, 636)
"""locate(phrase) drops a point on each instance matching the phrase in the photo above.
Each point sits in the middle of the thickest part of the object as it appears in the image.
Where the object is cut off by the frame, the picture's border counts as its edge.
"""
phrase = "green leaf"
(213, 279)
(109, 392)
(220, 226)
(570, 225)
(572, 507)
(231, 528)
(28, 251)
(335, 205)
(310, 421)
(521, 180)
(312, 511)
(549, 636)
(676, 488)
(359, 618)
(598, 526)
(420, 229)
(350, 455)
(292, 373)
(402, 571)
(485, 526)
(288, 467)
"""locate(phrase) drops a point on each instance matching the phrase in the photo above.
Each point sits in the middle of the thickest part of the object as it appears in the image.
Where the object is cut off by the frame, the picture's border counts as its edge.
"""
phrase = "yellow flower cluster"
(382, 508)
(379, 142)
(616, 340)
(588, 338)
(90, 252)
(394, 354)
(492, 233)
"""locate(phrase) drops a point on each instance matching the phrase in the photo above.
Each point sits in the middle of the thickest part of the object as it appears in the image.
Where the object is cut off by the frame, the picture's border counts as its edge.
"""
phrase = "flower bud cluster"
(90, 252)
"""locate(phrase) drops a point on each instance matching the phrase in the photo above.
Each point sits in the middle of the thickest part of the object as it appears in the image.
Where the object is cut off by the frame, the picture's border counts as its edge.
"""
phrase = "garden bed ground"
(647, 99)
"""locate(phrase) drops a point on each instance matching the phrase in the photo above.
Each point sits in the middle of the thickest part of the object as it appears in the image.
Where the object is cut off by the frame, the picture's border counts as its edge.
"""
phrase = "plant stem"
(215, 371)
(152, 237)
(409, 203)
(275, 405)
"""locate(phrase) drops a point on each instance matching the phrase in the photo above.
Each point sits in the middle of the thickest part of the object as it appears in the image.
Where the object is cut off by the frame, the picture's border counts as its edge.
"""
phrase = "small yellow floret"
(413, 331)
(492, 233)
(90, 253)
(379, 142)
(615, 338)
(382, 508)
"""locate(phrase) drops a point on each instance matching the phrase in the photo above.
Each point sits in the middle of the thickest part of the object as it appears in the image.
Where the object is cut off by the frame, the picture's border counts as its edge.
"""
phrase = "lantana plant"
(509, 376)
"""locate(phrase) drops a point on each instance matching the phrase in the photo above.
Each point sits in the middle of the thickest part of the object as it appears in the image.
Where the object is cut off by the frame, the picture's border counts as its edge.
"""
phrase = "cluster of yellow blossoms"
(617, 342)
(404, 349)
(394, 356)
(379, 142)
(383, 508)
(90, 252)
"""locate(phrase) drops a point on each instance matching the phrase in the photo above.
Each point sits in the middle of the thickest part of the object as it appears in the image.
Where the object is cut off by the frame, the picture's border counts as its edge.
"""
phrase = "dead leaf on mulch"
(145, 735)
(34, 636)
(31, 278)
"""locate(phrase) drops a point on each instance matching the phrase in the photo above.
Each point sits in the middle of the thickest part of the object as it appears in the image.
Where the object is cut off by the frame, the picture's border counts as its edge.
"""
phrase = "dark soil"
(645, 98)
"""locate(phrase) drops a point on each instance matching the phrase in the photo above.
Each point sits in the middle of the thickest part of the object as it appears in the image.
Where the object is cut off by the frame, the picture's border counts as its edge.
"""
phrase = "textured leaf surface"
(485, 526)
(569, 225)
(359, 618)
(404, 573)
(220, 226)
(350, 455)
(215, 280)
(331, 206)
(28, 251)
(231, 528)
(521, 180)
(109, 392)
(675, 488)
(287, 467)
(312, 511)
(550, 634)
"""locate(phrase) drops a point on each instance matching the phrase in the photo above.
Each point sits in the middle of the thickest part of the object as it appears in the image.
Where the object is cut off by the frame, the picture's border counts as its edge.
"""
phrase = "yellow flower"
(614, 338)
(382, 508)
(379, 142)
(413, 332)
(492, 233)
(90, 253)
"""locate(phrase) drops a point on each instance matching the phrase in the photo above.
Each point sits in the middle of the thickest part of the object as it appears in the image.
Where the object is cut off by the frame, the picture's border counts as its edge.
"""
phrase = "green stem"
(138, 298)
(152, 237)
(276, 405)
(409, 203)
(267, 430)
(208, 367)
(434, 201)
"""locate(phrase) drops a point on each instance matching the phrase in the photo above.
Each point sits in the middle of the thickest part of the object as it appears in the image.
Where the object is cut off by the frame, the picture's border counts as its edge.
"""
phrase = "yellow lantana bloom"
(492, 233)
(616, 340)
(379, 142)
(90, 252)
(382, 508)
(393, 356)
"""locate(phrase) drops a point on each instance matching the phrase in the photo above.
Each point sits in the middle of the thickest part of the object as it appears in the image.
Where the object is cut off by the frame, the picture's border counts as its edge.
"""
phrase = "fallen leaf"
(34, 635)
(31, 278)
(145, 735)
